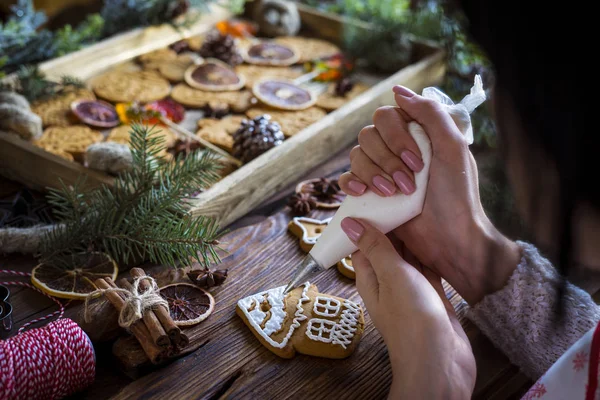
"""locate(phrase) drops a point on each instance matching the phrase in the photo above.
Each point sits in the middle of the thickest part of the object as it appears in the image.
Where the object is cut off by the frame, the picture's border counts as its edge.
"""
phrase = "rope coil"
(50, 362)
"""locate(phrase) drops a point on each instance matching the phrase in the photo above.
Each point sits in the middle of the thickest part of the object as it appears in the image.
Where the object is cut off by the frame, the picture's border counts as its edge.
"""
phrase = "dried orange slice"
(76, 282)
(188, 304)
(214, 76)
(283, 94)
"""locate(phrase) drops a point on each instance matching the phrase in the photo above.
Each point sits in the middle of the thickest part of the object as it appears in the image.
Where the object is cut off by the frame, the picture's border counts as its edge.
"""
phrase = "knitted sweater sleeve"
(520, 319)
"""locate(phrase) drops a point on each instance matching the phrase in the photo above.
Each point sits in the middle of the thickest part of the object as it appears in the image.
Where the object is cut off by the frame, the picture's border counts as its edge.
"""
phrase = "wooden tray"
(243, 189)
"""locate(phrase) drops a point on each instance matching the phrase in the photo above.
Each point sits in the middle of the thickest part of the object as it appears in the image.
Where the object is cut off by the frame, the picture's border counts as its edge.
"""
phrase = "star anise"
(185, 147)
(302, 203)
(343, 86)
(206, 278)
(327, 189)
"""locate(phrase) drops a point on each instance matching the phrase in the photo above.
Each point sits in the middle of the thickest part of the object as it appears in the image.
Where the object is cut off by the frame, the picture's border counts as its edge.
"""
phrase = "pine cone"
(221, 47)
(255, 137)
(302, 203)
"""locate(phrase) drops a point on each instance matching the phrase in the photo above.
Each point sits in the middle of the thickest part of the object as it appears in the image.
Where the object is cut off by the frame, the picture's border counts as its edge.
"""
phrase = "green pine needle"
(141, 217)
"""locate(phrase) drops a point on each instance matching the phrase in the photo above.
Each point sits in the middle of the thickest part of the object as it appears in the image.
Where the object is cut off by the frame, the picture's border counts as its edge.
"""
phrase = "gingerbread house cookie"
(346, 268)
(303, 321)
(308, 230)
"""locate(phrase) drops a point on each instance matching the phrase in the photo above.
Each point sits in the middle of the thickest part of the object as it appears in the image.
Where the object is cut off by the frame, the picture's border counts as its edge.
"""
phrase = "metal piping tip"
(308, 269)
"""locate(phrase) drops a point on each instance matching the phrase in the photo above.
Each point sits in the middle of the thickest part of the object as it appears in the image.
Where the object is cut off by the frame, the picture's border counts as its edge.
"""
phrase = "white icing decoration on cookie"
(345, 263)
(326, 306)
(275, 298)
(305, 238)
(342, 333)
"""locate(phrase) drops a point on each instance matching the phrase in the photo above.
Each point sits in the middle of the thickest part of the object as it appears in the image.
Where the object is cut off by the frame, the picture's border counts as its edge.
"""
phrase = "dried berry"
(302, 203)
(343, 86)
(256, 136)
(221, 47)
(180, 46)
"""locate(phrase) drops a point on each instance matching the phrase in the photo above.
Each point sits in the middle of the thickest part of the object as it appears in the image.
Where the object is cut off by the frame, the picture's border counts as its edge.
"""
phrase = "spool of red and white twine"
(50, 362)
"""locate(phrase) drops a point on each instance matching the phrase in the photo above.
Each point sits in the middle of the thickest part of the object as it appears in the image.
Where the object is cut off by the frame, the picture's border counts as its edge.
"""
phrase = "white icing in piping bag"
(386, 213)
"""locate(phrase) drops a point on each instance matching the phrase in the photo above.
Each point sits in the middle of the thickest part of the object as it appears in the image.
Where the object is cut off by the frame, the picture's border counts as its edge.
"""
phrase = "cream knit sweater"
(521, 319)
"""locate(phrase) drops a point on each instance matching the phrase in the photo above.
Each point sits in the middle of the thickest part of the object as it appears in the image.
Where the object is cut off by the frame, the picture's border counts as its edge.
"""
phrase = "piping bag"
(386, 213)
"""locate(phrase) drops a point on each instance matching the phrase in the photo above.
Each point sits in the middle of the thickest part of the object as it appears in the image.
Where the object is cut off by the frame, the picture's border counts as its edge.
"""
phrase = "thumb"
(366, 280)
(375, 247)
(430, 114)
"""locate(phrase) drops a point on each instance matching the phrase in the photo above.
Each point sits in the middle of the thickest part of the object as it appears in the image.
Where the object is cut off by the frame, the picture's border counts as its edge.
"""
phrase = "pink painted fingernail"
(412, 161)
(386, 187)
(403, 91)
(357, 187)
(404, 183)
(353, 229)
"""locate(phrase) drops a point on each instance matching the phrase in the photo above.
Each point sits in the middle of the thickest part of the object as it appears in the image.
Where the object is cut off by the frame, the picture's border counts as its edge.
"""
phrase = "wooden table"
(232, 364)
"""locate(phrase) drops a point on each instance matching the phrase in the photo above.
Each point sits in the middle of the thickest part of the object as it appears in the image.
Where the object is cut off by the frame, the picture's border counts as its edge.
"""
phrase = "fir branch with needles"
(33, 84)
(142, 216)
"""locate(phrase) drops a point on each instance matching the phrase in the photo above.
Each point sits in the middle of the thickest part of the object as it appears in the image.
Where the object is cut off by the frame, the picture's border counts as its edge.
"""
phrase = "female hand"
(429, 351)
(453, 236)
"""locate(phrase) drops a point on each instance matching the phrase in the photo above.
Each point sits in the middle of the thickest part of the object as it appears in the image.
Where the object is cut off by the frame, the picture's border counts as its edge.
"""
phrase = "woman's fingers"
(351, 184)
(366, 280)
(370, 173)
(393, 128)
(375, 247)
(372, 144)
(431, 115)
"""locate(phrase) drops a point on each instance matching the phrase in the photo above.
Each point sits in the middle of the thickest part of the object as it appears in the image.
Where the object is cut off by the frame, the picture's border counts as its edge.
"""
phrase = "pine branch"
(141, 217)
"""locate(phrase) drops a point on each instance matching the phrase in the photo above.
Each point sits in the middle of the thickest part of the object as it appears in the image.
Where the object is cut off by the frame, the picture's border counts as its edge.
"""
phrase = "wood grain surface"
(230, 362)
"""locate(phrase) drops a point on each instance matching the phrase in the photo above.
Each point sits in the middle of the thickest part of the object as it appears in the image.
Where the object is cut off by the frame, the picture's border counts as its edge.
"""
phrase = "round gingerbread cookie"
(122, 134)
(174, 70)
(71, 139)
(219, 131)
(127, 87)
(155, 58)
(291, 122)
(331, 101)
(308, 48)
(56, 111)
(255, 73)
(346, 268)
(238, 102)
(56, 151)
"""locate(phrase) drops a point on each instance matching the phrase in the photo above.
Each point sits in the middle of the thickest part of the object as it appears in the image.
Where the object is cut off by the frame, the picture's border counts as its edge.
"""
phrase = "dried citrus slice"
(76, 282)
(214, 76)
(188, 304)
(283, 94)
(271, 53)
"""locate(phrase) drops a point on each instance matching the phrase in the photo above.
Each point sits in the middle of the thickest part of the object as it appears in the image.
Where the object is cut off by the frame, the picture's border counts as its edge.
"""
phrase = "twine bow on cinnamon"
(136, 303)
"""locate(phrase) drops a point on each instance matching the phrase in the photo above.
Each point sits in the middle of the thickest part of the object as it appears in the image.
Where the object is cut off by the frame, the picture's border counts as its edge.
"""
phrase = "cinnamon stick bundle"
(139, 330)
(179, 338)
(159, 336)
